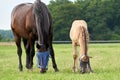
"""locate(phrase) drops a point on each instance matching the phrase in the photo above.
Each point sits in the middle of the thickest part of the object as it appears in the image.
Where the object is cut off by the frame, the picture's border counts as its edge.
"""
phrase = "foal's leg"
(19, 51)
(75, 57)
(89, 67)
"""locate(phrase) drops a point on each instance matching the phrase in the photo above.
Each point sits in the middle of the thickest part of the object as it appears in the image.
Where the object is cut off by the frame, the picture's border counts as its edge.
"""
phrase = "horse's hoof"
(29, 70)
(29, 67)
(91, 72)
(75, 69)
(83, 72)
(20, 70)
(56, 70)
(43, 70)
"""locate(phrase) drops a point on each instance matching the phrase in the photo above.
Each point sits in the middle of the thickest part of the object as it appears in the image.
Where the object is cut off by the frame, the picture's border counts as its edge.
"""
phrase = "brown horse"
(31, 22)
(80, 36)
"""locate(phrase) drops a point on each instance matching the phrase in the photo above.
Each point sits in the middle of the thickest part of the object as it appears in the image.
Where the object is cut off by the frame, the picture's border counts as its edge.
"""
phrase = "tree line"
(6, 35)
(102, 16)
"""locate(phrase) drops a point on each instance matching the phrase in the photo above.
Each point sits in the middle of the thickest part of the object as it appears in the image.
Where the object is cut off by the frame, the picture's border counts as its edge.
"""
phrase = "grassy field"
(105, 64)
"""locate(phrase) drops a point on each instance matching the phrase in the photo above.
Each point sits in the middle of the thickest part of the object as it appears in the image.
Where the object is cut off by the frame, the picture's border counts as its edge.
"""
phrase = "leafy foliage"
(102, 16)
(6, 35)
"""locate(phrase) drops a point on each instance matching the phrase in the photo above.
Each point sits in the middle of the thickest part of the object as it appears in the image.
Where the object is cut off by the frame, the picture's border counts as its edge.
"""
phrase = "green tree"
(1, 38)
(63, 14)
(102, 16)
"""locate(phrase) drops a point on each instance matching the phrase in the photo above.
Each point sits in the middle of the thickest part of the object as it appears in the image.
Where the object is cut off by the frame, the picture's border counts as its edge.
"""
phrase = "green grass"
(105, 64)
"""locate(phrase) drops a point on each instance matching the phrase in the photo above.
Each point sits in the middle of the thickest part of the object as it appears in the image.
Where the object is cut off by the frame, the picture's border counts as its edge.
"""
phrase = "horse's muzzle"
(42, 59)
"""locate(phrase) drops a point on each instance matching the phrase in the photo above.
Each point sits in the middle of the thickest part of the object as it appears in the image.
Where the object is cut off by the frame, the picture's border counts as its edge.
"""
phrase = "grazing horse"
(32, 22)
(80, 37)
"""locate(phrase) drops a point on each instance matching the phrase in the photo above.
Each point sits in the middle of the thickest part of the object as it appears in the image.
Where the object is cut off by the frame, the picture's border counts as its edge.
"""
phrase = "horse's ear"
(37, 45)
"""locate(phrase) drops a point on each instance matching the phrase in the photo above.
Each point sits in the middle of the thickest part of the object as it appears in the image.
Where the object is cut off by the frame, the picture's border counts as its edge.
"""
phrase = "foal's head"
(84, 63)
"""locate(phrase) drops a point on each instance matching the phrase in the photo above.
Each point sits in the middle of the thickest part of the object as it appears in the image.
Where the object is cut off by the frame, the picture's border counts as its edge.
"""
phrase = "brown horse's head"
(84, 63)
(43, 24)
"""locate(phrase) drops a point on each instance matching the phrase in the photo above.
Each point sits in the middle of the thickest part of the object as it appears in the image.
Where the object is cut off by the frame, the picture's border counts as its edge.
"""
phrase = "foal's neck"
(83, 48)
(83, 43)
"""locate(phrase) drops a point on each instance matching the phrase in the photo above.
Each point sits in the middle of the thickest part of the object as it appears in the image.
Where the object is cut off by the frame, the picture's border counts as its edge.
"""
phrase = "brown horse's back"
(21, 20)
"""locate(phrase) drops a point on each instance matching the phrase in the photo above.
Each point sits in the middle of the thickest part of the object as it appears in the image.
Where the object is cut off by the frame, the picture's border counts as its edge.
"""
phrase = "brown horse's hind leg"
(75, 56)
(32, 53)
(27, 49)
(19, 51)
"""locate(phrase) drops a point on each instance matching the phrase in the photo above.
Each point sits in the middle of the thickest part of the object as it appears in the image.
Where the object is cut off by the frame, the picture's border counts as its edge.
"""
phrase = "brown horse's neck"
(83, 42)
(42, 21)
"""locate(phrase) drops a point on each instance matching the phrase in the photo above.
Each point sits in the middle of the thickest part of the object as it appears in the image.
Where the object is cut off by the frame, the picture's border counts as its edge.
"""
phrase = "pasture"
(105, 64)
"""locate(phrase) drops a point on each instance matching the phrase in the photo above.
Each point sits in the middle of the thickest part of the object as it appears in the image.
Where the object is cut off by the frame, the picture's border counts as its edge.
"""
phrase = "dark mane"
(42, 21)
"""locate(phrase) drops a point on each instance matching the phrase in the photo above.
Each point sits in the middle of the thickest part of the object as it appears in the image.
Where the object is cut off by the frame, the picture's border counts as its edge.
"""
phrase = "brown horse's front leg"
(53, 58)
(32, 53)
(27, 49)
